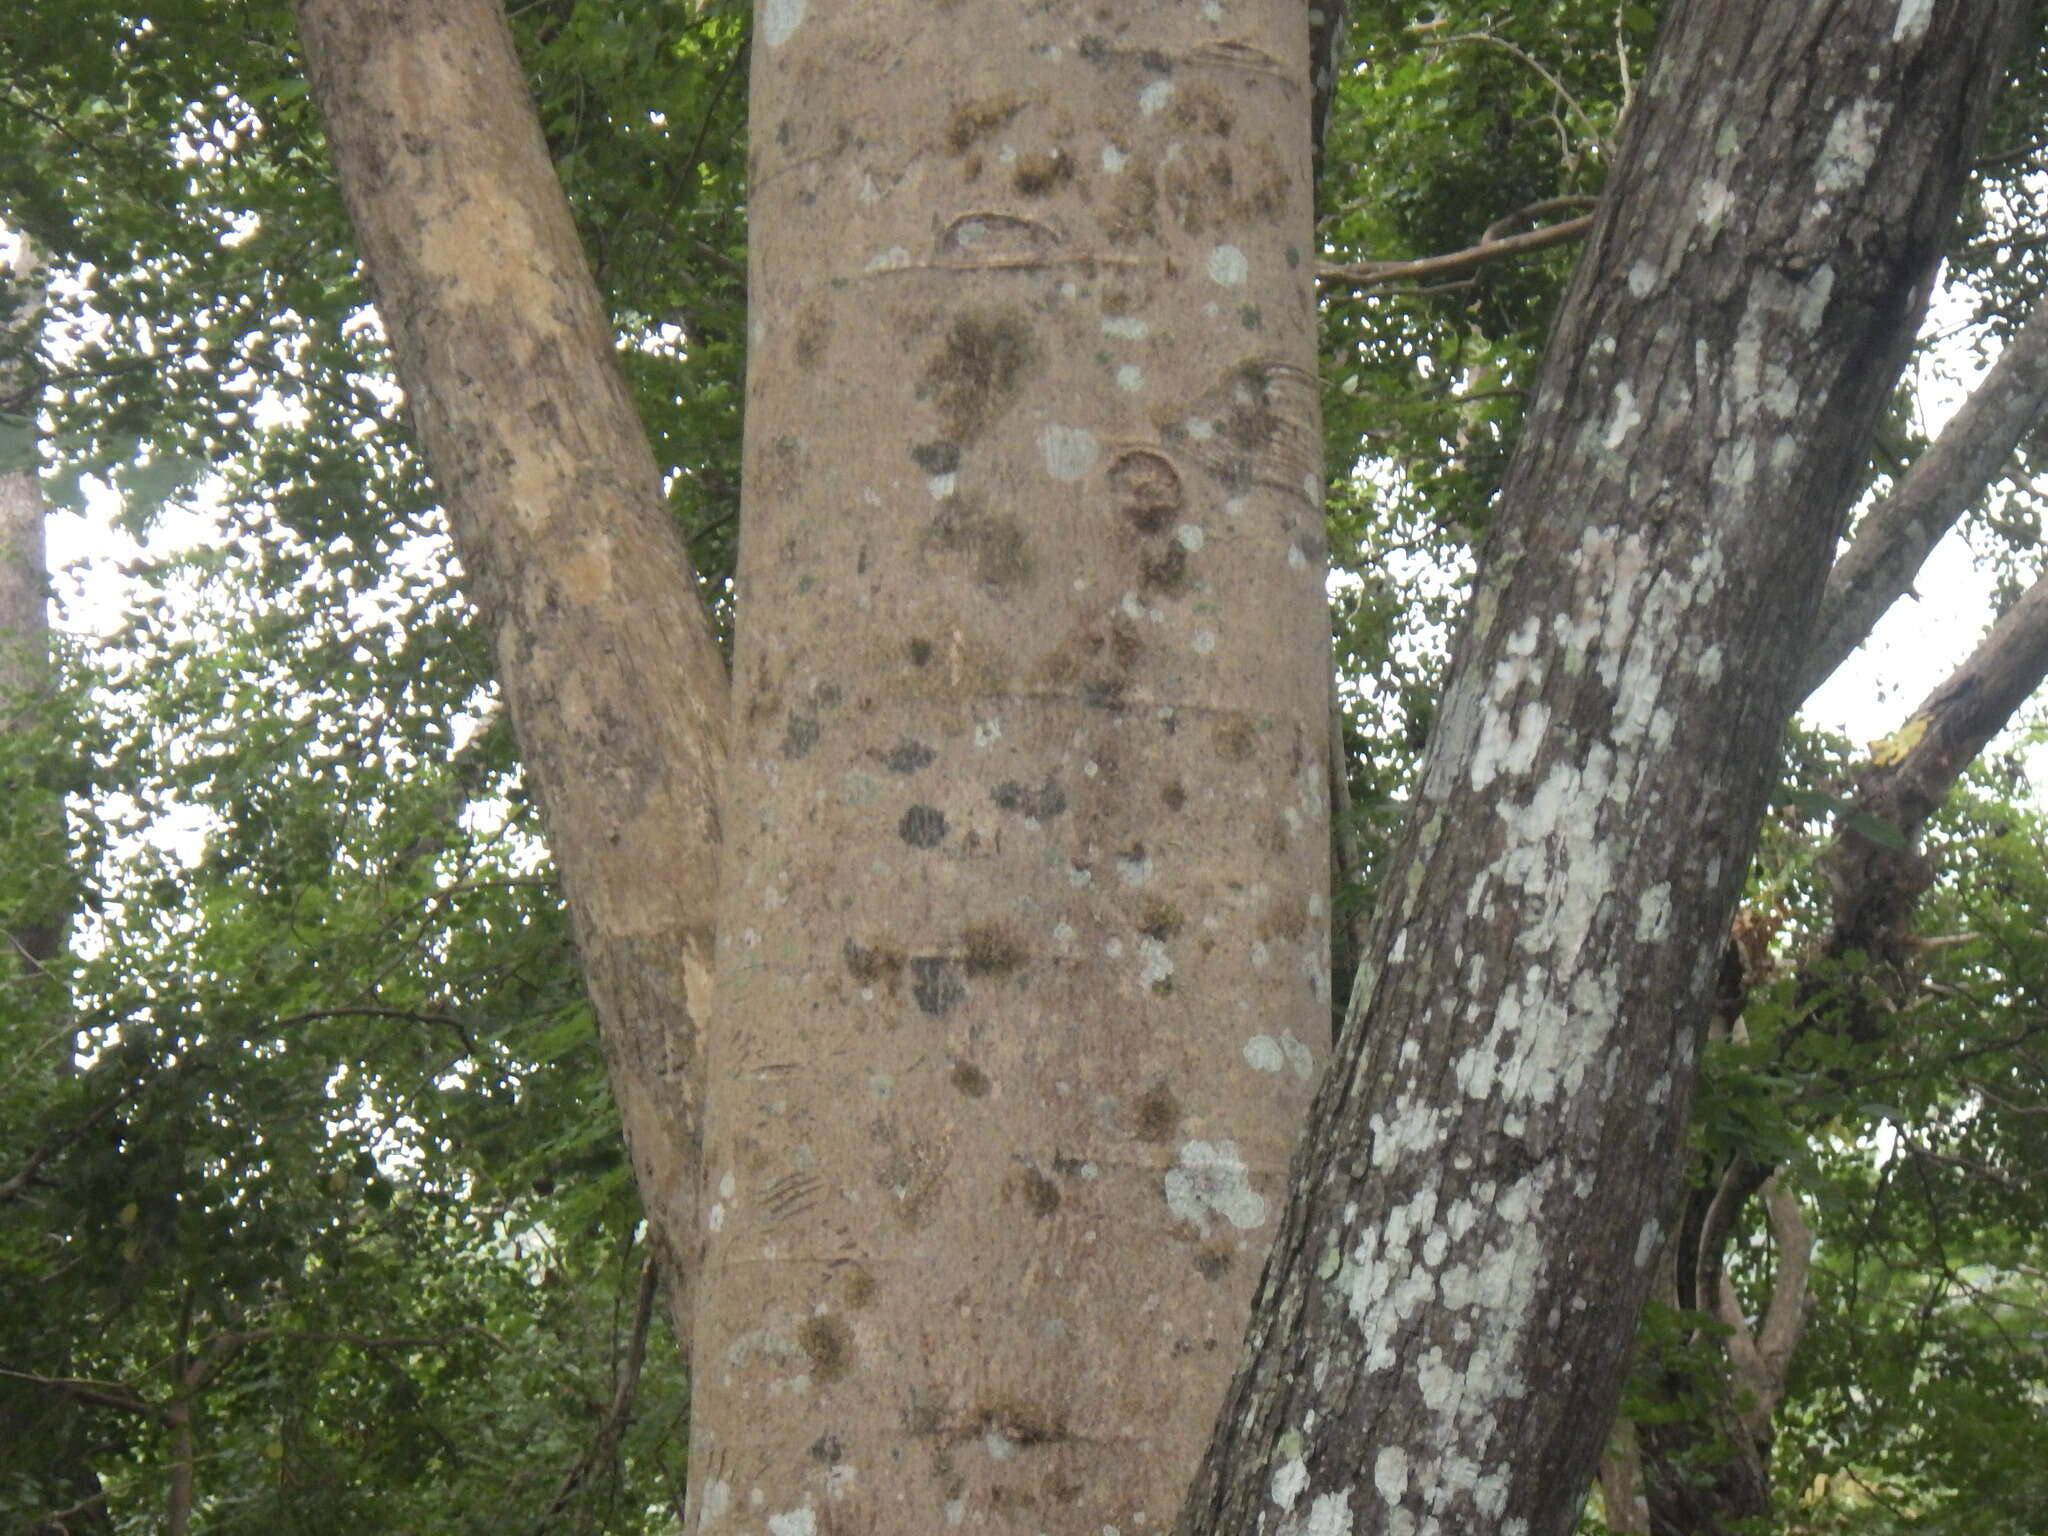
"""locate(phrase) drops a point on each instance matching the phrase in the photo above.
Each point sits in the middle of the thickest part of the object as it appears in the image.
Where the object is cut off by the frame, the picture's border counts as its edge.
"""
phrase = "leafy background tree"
(312, 1207)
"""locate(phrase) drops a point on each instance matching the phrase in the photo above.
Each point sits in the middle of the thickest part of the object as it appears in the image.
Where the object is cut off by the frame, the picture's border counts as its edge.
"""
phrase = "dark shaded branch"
(1374, 274)
(1912, 772)
(620, 1413)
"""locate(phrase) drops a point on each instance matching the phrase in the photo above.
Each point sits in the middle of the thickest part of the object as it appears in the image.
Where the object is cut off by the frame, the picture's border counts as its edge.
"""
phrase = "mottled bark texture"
(1442, 1331)
(1023, 924)
(614, 683)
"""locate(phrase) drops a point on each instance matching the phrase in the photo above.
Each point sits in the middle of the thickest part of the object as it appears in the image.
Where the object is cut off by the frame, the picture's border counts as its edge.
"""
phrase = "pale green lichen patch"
(1211, 1181)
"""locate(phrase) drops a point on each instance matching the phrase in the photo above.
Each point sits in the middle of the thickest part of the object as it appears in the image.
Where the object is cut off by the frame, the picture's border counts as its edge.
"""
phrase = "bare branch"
(1373, 274)
(1896, 536)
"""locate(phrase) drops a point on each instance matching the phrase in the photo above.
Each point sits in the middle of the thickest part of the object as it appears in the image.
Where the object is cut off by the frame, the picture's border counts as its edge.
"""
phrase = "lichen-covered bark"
(1023, 927)
(614, 683)
(1441, 1333)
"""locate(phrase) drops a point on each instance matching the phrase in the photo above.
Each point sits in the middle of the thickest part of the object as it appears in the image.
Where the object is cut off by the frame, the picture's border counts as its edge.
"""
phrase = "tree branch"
(1895, 537)
(1374, 274)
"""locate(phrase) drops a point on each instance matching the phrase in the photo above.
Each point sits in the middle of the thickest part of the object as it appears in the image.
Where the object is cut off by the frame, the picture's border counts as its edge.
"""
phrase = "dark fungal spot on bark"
(990, 951)
(970, 1080)
(1041, 804)
(922, 826)
(936, 984)
(907, 756)
(828, 1342)
(1158, 1113)
(936, 458)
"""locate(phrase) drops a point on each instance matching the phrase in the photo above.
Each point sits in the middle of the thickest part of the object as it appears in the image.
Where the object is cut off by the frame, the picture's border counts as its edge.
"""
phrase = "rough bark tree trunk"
(615, 685)
(1022, 970)
(1442, 1331)
(33, 935)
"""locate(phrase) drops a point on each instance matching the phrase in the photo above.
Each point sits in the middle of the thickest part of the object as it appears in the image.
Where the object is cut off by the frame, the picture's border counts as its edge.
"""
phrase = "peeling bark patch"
(990, 951)
(1037, 1191)
(858, 1287)
(1069, 452)
(975, 375)
(1036, 175)
(1237, 740)
(994, 540)
(829, 1344)
(1147, 489)
(937, 984)
(922, 826)
(908, 756)
(1167, 572)
(869, 966)
(976, 119)
(1021, 1424)
(1158, 1113)
(1161, 920)
(1040, 805)
(799, 736)
(970, 1080)
(913, 1172)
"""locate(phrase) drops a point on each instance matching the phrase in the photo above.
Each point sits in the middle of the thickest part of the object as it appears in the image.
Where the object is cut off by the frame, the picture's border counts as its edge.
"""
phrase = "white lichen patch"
(1288, 1482)
(1851, 147)
(1134, 868)
(1262, 1053)
(1153, 98)
(1390, 1473)
(717, 1500)
(1648, 1241)
(1328, 1515)
(1204, 642)
(1155, 965)
(1211, 1180)
(780, 18)
(1126, 328)
(1227, 265)
(1113, 159)
(1653, 914)
(1912, 21)
(1068, 452)
(890, 260)
(1130, 378)
(1626, 418)
(795, 1522)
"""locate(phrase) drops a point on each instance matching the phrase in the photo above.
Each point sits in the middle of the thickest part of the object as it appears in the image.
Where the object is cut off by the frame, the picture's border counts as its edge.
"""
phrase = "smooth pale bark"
(615, 685)
(1442, 1332)
(1023, 926)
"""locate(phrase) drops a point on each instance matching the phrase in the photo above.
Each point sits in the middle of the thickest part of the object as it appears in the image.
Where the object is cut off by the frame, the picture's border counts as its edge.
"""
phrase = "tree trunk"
(615, 685)
(1442, 1332)
(1022, 965)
